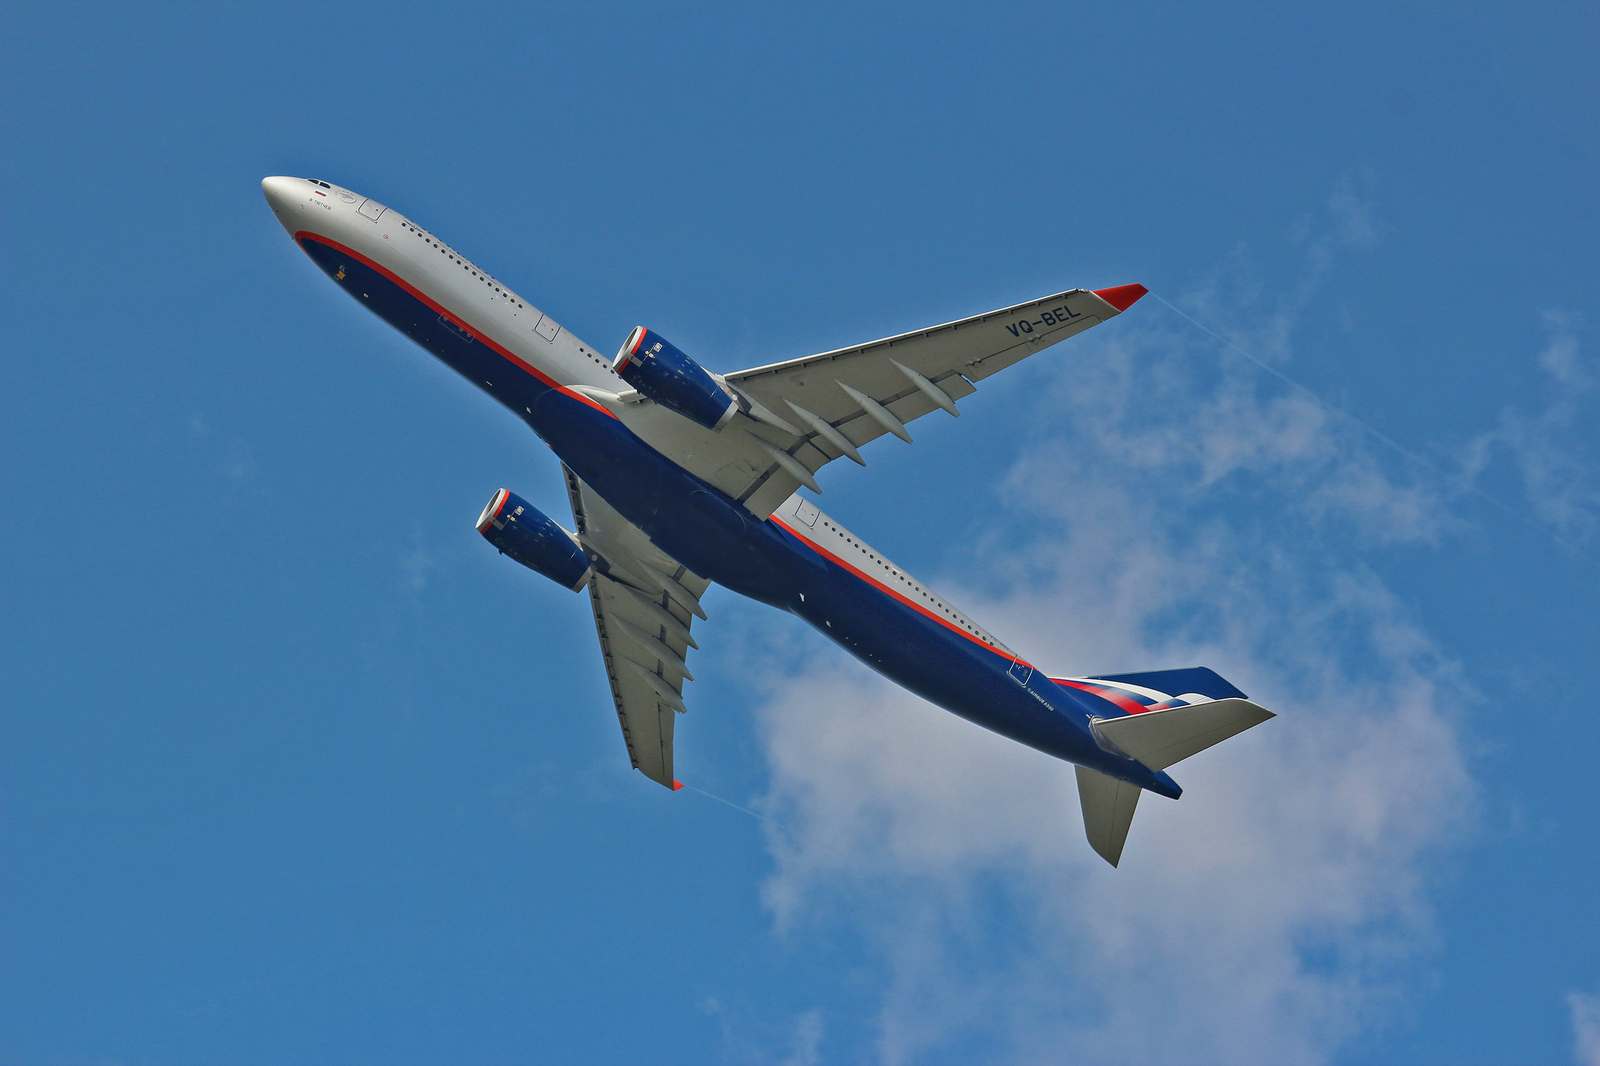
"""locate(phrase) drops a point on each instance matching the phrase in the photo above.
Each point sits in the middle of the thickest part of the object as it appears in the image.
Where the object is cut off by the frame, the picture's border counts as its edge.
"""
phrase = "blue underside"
(708, 532)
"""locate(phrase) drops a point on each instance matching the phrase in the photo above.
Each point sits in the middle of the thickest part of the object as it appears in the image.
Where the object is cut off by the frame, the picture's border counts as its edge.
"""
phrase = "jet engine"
(673, 380)
(533, 539)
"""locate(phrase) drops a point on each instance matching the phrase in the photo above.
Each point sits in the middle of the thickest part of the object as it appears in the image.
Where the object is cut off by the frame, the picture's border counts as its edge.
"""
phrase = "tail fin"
(1155, 690)
(1108, 806)
(1154, 733)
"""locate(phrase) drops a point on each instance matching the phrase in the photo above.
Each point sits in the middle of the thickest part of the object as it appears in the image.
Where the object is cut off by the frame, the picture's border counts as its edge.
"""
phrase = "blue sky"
(296, 768)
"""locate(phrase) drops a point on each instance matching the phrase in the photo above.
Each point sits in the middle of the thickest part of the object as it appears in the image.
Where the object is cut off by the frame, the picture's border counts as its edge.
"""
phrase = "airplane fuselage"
(798, 559)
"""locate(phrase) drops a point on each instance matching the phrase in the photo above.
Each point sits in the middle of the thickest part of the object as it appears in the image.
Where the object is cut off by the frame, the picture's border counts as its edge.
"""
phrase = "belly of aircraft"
(719, 540)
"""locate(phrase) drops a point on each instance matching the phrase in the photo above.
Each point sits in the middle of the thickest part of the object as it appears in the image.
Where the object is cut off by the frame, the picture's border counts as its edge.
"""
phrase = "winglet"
(676, 784)
(1122, 296)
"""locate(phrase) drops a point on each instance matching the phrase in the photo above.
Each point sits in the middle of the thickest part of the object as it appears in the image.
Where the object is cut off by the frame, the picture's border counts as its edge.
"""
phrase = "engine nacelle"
(670, 378)
(533, 539)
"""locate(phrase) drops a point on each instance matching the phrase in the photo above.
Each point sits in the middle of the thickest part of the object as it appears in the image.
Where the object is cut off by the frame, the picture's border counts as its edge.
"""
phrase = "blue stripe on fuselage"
(434, 328)
(703, 528)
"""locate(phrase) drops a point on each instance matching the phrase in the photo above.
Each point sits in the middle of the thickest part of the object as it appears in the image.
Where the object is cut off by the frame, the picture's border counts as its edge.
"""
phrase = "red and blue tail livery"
(680, 476)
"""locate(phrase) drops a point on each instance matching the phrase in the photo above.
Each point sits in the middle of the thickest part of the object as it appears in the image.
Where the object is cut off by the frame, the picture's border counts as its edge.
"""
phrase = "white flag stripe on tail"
(1137, 690)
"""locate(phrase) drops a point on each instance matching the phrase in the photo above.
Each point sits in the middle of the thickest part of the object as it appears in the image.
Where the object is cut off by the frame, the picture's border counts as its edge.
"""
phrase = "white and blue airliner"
(680, 476)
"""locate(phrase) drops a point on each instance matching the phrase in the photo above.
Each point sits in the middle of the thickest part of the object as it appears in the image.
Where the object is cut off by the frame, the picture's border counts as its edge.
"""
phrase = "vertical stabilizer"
(1108, 806)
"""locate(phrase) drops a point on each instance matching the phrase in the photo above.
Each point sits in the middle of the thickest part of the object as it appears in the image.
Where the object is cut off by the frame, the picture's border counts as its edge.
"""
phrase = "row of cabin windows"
(486, 280)
(584, 351)
(474, 271)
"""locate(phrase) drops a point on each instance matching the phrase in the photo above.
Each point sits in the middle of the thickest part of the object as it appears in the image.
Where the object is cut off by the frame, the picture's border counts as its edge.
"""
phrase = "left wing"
(807, 412)
(644, 602)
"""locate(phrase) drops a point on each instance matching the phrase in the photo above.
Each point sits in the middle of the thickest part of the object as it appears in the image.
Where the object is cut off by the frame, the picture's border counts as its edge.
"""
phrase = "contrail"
(730, 803)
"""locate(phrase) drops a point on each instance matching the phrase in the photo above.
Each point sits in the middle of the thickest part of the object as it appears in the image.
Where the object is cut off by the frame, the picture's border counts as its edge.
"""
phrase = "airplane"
(680, 477)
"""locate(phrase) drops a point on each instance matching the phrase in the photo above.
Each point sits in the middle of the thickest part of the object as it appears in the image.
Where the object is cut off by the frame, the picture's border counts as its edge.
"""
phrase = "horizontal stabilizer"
(1160, 738)
(1108, 806)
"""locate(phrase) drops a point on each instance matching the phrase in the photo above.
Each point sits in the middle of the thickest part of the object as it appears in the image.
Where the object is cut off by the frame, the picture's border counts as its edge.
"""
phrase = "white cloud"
(1585, 1028)
(1154, 406)
(1165, 516)
(1550, 448)
(1255, 920)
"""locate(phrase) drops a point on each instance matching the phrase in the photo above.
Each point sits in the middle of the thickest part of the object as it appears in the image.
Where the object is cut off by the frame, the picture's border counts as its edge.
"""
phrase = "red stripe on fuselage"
(439, 308)
(915, 606)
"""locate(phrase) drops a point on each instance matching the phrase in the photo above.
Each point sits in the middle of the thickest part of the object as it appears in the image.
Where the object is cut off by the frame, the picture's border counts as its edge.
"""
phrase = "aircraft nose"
(282, 196)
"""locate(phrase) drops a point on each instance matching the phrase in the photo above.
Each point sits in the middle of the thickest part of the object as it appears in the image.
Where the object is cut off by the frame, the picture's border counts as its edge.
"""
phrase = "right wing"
(644, 602)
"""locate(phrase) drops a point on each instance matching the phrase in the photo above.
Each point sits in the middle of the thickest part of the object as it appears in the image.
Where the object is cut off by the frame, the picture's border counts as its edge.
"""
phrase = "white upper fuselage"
(448, 278)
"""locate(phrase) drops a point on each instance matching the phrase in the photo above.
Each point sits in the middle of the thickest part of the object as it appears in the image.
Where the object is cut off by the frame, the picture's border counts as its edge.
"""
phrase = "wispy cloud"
(1167, 513)
(1262, 318)
(1551, 448)
(795, 1041)
(416, 565)
(1585, 1027)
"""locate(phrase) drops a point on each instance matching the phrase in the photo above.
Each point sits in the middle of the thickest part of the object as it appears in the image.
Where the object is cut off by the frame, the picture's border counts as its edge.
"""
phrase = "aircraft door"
(370, 210)
(805, 512)
(1020, 672)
